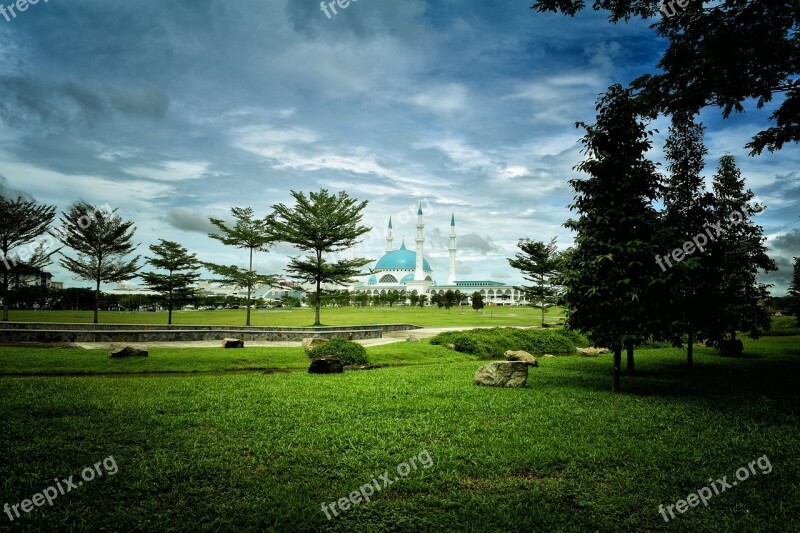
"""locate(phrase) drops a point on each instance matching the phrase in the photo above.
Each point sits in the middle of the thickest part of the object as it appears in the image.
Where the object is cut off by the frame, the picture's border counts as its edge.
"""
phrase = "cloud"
(444, 99)
(170, 170)
(474, 242)
(186, 219)
(10, 193)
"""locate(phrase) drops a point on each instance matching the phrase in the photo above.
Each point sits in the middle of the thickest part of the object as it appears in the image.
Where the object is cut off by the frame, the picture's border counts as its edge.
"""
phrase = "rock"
(310, 343)
(127, 351)
(450, 346)
(548, 355)
(502, 374)
(232, 343)
(520, 355)
(326, 365)
(591, 352)
(362, 367)
(412, 338)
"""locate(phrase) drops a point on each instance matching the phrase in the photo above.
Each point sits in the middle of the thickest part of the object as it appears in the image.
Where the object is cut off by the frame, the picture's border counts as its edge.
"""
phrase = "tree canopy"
(721, 54)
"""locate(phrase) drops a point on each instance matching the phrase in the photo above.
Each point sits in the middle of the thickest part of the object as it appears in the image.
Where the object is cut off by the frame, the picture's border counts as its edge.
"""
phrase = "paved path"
(388, 338)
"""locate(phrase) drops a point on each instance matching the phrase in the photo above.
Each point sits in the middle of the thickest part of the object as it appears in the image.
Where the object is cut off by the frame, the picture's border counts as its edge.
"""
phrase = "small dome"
(407, 278)
(402, 259)
(372, 280)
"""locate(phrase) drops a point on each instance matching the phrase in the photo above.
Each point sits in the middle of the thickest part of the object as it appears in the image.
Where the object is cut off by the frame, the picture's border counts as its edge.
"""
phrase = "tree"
(249, 233)
(477, 301)
(687, 213)
(794, 291)
(437, 299)
(102, 240)
(322, 224)
(423, 299)
(737, 256)
(21, 222)
(703, 64)
(611, 268)
(392, 297)
(539, 263)
(182, 272)
(413, 298)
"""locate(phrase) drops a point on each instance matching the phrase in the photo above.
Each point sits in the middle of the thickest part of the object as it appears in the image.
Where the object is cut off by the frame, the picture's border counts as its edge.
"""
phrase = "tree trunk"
(733, 334)
(690, 349)
(317, 303)
(249, 288)
(629, 349)
(169, 309)
(615, 373)
(96, 301)
(5, 296)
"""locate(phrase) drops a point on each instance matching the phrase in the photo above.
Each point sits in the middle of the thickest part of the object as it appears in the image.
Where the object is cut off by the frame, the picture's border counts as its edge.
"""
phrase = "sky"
(174, 111)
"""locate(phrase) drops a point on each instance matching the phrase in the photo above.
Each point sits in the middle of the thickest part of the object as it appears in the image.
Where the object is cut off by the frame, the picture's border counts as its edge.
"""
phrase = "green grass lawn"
(255, 451)
(346, 316)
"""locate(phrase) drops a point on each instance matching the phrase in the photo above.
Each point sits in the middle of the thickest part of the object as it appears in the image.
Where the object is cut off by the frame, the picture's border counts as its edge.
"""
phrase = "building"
(406, 270)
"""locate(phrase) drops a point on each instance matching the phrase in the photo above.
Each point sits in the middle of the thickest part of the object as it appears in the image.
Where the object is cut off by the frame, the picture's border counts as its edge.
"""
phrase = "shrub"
(730, 348)
(494, 342)
(349, 353)
(465, 344)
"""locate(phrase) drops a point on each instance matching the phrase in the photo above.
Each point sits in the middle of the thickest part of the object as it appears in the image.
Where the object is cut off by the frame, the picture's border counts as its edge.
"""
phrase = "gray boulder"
(118, 352)
(502, 374)
(520, 355)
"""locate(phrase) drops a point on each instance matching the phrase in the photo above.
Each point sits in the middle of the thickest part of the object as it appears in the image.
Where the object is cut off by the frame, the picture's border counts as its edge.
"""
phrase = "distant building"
(406, 270)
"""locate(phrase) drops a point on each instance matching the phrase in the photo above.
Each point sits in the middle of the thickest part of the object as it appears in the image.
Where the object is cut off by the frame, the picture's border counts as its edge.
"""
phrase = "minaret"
(389, 238)
(419, 274)
(451, 277)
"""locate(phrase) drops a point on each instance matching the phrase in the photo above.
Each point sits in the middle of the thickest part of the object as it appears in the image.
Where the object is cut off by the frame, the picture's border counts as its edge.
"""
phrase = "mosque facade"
(407, 270)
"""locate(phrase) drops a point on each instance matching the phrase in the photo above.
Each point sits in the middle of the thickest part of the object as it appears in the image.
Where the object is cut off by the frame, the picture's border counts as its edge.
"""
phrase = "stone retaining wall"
(13, 332)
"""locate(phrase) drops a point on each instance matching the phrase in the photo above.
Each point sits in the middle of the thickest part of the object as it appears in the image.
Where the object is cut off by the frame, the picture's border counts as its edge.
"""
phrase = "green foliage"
(21, 222)
(102, 240)
(349, 353)
(540, 263)
(783, 326)
(248, 233)
(731, 347)
(610, 279)
(494, 342)
(321, 224)
(477, 301)
(181, 273)
(794, 292)
(696, 69)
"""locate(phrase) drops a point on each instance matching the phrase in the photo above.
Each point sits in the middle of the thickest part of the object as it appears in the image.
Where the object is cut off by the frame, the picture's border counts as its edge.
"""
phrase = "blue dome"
(372, 280)
(407, 278)
(402, 259)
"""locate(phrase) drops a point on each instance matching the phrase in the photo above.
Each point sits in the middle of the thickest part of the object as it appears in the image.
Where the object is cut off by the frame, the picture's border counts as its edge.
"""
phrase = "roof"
(402, 259)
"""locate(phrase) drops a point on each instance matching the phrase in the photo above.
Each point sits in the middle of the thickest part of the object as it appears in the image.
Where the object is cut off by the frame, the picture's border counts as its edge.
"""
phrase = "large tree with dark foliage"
(738, 255)
(687, 212)
(321, 224)
(102, 241)
(609, 274)
(719, 54)
(21, 222)
(179, 272)
(794, 291)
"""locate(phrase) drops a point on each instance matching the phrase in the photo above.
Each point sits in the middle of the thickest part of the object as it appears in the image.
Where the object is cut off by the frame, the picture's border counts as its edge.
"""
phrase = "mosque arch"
(388, 278)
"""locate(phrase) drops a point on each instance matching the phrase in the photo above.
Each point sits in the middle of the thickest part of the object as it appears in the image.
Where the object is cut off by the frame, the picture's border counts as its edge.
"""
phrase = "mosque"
(406, 270)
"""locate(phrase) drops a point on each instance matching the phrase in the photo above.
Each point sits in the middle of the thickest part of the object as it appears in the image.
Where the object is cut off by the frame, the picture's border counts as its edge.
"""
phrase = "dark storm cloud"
(68, 103)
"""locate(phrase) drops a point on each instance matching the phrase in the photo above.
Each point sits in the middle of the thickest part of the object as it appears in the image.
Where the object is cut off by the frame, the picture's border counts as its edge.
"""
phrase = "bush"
(730, 348)
(349, 353)
(465, 344)
(494, 342)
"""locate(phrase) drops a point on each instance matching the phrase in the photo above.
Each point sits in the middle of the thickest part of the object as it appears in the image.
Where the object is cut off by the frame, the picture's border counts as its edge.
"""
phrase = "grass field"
(345, 316)
(223, 450)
